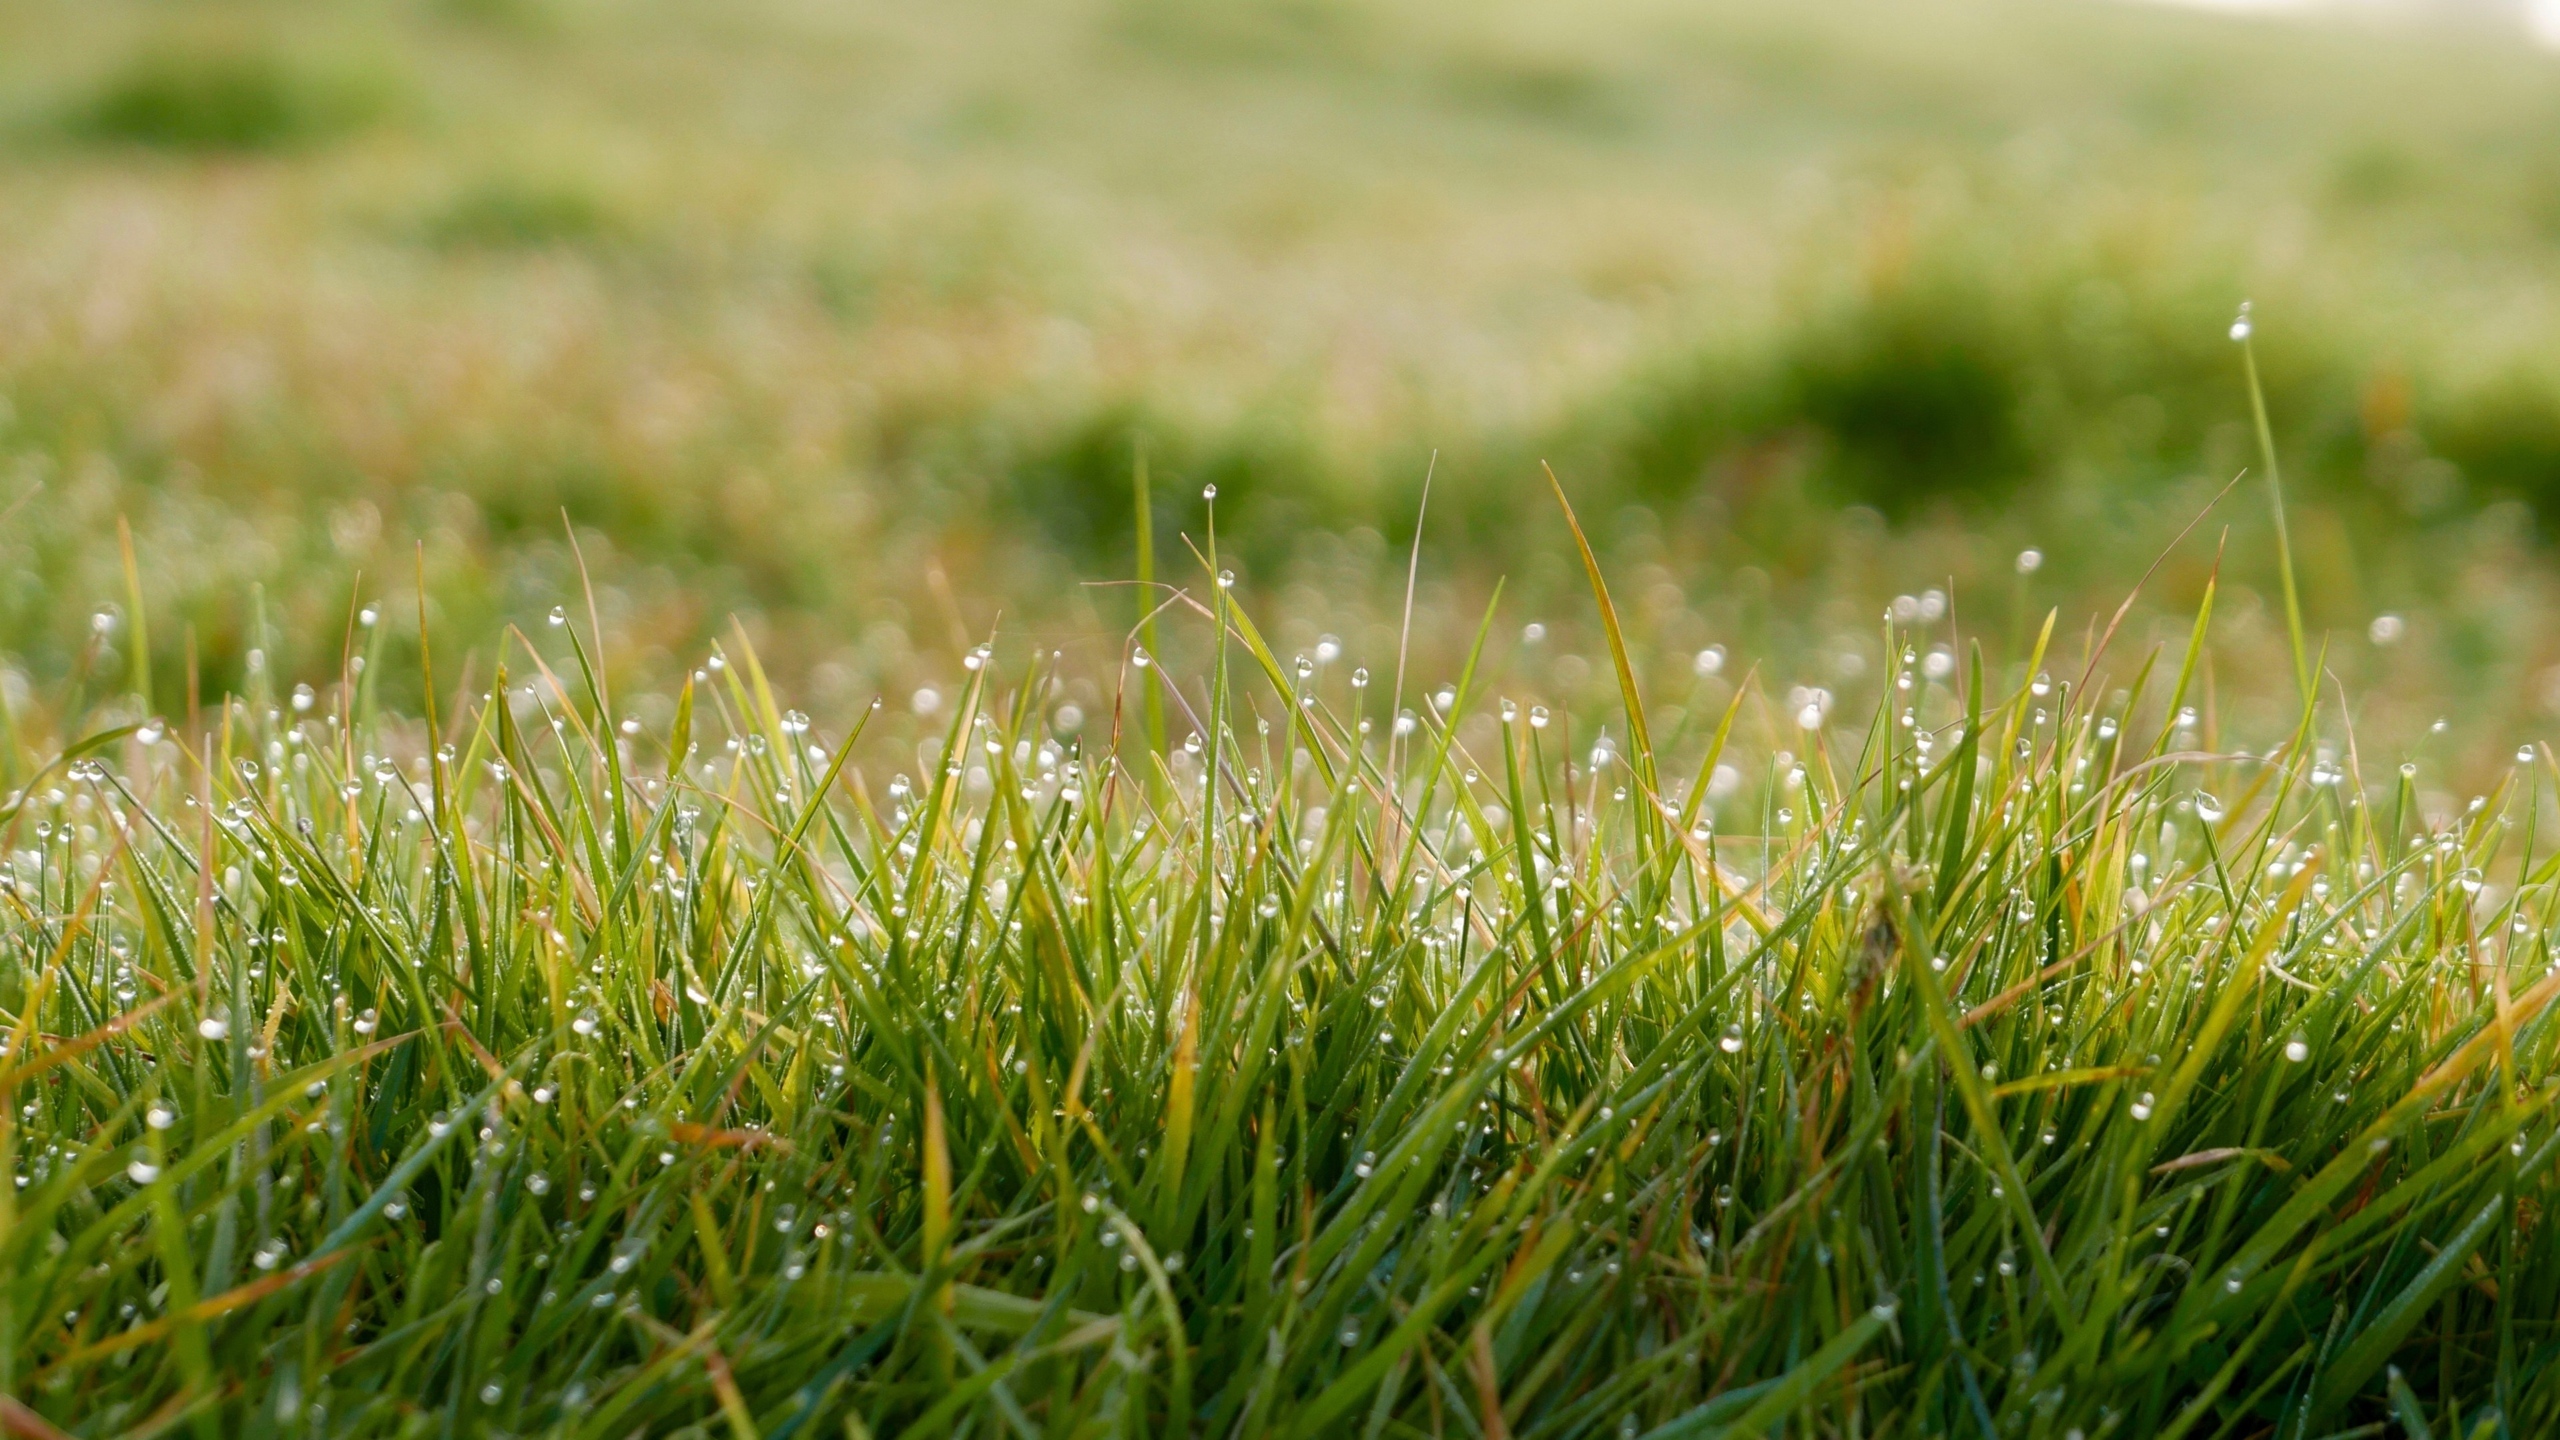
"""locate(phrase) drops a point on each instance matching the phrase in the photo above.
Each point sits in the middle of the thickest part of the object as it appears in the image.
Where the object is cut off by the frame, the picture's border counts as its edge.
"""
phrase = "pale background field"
(848, 318)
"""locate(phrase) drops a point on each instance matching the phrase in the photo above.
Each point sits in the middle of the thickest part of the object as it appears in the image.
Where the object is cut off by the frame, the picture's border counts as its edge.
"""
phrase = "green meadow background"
(850, 322)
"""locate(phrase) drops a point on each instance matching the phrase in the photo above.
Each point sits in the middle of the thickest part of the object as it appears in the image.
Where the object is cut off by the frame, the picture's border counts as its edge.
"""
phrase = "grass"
(1951, 1027)
(748, 290)
(2023, 1056)
(508, 212)
(224, 97)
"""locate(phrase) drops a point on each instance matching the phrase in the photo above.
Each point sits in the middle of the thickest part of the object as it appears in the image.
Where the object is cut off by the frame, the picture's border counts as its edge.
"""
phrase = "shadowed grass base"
(1996, 1064)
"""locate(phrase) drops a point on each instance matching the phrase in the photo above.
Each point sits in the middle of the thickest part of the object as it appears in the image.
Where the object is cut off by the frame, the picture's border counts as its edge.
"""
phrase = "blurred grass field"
(851, 319)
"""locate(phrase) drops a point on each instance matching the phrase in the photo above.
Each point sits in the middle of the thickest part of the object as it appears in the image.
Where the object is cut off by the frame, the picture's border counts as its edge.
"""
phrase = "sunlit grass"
(2000, 1061)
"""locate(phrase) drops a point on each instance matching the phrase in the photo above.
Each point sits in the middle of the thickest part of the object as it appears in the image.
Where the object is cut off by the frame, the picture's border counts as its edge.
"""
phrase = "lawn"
(2012, 1057)
(1275, 717)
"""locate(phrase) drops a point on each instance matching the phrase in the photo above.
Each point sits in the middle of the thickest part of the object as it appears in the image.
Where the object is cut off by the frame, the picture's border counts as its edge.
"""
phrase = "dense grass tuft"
(233, 97)
(521, 212)
(2015, 1060)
